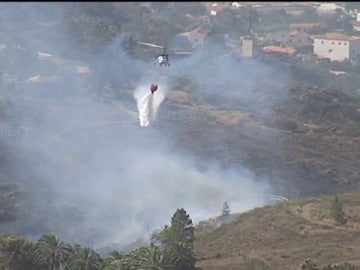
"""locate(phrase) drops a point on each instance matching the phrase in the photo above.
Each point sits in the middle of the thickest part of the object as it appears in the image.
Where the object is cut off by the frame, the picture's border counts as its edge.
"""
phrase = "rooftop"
(337, 36)
(299, 33)
(279, 49)
(303, 25)
(355, 23)
(198, 31)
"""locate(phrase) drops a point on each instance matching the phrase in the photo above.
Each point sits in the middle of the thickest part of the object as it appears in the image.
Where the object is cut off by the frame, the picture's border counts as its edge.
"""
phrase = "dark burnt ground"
(309, 147)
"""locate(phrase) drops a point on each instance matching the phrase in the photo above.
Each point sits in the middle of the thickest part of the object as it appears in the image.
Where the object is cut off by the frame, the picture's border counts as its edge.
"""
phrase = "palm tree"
(83, 258)
(51, 252)
(117, 265)
(148, 258)
(117, 261)
(14, 253)
(179, 256)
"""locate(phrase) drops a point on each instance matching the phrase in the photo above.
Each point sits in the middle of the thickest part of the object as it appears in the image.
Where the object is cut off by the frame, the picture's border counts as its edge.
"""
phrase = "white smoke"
(148, 103)
(114, 182)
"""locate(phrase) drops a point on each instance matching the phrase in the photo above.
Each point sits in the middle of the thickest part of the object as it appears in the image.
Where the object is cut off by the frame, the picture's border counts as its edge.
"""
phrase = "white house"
(213, 12)
(336, 46)
(326, 8)
(236, 5)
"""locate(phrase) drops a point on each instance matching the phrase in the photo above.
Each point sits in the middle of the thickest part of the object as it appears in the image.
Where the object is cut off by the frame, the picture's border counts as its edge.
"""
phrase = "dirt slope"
(282, 236)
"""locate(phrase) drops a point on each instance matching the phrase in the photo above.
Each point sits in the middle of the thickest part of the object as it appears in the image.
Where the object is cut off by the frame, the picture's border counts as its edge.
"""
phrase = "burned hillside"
(228, 129)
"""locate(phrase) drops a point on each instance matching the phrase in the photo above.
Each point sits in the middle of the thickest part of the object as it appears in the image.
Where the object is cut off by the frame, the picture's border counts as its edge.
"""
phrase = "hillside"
(81, 153)
(308, 145)
(283, 235)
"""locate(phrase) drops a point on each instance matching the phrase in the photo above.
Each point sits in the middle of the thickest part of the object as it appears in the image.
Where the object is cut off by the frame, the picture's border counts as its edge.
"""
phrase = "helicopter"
(163, 58)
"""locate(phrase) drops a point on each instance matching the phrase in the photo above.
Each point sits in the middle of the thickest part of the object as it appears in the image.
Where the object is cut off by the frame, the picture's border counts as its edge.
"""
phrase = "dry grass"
(281, 236)
(181, 97)
(228, 118)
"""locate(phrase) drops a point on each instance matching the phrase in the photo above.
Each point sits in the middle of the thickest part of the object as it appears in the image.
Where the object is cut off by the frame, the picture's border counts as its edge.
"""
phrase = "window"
(322, 42)
(330, 50)
(333, 42)
(345, 43)
(339, 43)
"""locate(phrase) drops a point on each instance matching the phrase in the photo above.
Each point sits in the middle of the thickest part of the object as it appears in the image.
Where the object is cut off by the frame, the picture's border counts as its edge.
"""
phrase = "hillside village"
(310, 33)
(306, 37)
(305, 32)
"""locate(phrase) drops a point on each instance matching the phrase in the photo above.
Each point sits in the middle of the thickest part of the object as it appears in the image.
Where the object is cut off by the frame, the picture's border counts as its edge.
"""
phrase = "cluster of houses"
(332, 46)
(296, 40)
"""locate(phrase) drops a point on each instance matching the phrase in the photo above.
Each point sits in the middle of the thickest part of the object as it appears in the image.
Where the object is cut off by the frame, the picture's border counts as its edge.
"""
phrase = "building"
(336, 46)
(213, 12)
(304, 27)
(279, 50)
(299, 39)
(294, 38)
(247, 46)
(328, 8)
(236, 5)
(356, 25)
(280, 36)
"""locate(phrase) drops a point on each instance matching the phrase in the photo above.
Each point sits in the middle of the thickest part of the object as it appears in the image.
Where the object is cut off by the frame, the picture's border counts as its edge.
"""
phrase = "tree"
(83, 258)
(51, 252)
(179, 256)
(151, 258)
(336, 211)
(15, 253)
(178, 240)
(182, 229)
(225, 210)
(163, 236)
(117, 261)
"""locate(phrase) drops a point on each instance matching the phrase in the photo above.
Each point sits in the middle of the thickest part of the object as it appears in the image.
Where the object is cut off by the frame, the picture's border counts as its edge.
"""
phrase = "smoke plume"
(92, 175)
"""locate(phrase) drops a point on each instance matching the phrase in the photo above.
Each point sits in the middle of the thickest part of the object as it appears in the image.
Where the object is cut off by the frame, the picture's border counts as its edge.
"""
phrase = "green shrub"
(336, 211)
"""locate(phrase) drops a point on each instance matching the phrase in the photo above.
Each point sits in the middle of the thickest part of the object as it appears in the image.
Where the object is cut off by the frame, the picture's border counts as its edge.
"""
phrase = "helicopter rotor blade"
(151, 45)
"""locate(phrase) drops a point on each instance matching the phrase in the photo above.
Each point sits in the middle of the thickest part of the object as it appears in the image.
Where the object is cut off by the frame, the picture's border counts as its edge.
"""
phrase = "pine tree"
(182, 229)
(177, 241)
